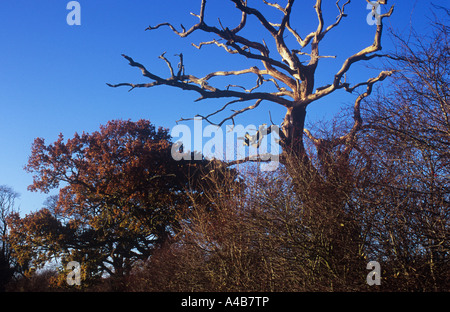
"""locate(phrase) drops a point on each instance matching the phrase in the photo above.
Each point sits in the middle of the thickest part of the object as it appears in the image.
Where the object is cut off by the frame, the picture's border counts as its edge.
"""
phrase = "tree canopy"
(121, 194)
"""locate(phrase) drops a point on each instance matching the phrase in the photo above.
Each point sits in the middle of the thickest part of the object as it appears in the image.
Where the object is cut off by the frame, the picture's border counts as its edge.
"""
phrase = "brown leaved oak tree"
(121, 194)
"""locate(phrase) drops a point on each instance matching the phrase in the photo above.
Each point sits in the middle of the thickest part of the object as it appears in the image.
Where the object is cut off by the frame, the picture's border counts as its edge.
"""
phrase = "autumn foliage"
(121, 196)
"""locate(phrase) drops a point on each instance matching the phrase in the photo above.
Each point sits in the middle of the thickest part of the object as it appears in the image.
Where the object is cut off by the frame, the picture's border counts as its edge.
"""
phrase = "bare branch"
(231, 117)
(383, 75)
(253, 69)
(168, 64)
(235, 113)
(242, 23)
(220, 110)
(349, 138)
(319, 34)
(303, 42)
(275, 5)
(310, 55)
(214, 41)
(260, 158)
(185, 33)
(241, 5)
(287, 14)
(338, 18)
(311, 137)
(364, 54)
(367, 53)
(200, 85)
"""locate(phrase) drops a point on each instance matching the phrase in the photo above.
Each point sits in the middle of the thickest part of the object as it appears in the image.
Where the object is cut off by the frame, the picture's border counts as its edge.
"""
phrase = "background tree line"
(139, 221)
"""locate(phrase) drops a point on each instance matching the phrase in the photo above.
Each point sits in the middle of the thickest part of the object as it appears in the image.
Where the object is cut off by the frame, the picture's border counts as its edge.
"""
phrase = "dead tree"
(292, 77)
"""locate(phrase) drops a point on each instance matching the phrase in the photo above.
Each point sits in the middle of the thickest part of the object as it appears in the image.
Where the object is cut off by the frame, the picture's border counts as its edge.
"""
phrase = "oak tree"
(121, 194)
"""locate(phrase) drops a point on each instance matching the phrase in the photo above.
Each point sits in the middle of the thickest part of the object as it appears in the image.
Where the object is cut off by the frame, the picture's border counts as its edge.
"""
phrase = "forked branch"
(201, 85)
(349, 139)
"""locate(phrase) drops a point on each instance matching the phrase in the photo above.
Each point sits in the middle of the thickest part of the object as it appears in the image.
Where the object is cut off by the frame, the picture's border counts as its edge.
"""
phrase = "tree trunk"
(292, 130)
(295, 159)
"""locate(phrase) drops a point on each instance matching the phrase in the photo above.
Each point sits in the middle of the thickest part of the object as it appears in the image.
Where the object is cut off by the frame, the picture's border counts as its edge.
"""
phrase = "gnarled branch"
(200, 85)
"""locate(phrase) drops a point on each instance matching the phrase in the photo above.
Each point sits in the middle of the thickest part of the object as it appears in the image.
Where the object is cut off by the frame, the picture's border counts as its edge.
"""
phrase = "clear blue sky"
(53, 76)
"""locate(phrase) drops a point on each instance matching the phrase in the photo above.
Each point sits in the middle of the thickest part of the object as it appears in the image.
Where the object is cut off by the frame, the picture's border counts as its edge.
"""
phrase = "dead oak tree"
(293, 79)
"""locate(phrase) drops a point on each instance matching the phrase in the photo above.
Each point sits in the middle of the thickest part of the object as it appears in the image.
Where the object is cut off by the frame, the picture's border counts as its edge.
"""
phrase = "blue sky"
(53, 76)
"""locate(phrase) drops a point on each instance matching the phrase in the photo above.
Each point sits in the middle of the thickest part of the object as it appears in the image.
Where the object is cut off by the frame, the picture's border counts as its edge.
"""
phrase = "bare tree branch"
(349, 138)
(363, 55)
(217, 43)
(185, 33)
(200, 85)
(261, 158)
